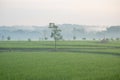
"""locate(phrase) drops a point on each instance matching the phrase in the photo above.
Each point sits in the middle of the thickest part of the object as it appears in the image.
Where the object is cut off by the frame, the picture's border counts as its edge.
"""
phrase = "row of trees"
(56, 35)
(3, 38)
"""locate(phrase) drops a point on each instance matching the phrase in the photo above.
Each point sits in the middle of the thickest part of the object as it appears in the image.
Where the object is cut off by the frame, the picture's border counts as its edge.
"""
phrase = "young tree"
(29, 40)
(46, 38)
(74, 37)
(55, 33)
(74, 31)
(94, 39)
(8, 38)
(3, 37)
(83, 38)
(104, 40)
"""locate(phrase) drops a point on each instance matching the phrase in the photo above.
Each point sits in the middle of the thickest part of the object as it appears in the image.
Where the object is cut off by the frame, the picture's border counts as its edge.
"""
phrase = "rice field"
(73, 60)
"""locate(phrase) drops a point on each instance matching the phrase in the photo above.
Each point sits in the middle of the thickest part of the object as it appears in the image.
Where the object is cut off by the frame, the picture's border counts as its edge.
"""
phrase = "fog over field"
(59, 39)
(23, 19)
(67, 31)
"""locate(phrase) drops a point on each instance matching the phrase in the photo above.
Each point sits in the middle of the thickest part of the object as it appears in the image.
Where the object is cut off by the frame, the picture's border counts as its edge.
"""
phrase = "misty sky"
(41, 12)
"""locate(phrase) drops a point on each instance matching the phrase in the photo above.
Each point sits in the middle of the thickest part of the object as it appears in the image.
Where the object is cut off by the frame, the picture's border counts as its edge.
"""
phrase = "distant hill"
(68, 31)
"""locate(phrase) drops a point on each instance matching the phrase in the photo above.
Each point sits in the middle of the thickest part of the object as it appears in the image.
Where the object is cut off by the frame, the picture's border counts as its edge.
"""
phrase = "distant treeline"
(68, 32)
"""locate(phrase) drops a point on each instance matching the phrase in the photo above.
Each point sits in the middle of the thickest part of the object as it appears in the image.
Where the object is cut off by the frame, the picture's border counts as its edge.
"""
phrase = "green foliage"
(29, 39)
(55, 32)
(83, 38)
(105, 40)
(8, 38)
(74, 37)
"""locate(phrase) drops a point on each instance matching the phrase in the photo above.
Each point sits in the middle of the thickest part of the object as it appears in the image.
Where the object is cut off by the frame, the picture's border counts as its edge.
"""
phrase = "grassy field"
(73, 60)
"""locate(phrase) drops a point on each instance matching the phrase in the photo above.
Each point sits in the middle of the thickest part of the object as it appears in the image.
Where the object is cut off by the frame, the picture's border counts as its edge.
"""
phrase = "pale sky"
(41, 12)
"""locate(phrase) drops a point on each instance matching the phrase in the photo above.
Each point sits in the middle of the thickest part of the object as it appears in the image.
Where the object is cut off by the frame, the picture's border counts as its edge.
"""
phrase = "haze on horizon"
(41, 12)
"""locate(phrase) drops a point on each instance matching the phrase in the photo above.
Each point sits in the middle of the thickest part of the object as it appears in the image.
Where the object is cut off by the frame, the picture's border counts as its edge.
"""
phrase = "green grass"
(112, 47)
(61, 44)
(73, 60)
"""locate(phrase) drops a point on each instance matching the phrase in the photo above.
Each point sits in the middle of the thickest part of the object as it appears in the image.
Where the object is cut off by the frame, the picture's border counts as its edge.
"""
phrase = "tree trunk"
(55, 45)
